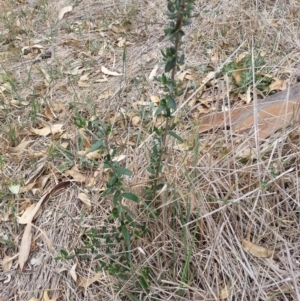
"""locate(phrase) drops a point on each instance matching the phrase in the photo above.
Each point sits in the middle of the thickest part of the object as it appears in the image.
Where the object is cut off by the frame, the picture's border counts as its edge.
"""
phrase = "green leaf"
(130, 196)
(123, 171)
(126, 236)
(170, 65)
(107, 191)
(180, 60)
(169, 36)
(115, 212)
(171, 7)
(171, 103)
(171, 16)
(187, 22)
(80, 122)
(173, 134)
(159, 110)
(97, 145)
(64, 253)
(164, 79)
(116, 197)
(128, 213)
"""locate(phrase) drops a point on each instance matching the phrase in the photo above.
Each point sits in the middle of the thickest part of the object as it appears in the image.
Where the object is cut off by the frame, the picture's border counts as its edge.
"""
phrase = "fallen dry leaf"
(214, 55)
(27, 187)
(182, 147)
(256, 250)
(77, 176)
(5, 217)
(41, 181)
(95, 155)
(35, 154)
(73, 272)
(278, 84)
(51, 129)
(106, 94)
(225, 292)
(155, 99)
(27, 215)
(19, 148)
(84, 81)
(108, 72)
(85, 199)
(46, 196)
(46, 297)
(86, 282)
(119, 158)
(241, 56)
(153, 73)
(144, 103)
(48, 113)
(182, 74)
(136, 120)
(25, 246)
(237, 75)
(63, 11)
(7, 262)
(17, 103)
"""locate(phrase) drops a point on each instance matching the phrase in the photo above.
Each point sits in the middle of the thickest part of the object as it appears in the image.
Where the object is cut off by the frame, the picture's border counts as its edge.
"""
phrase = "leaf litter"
(74, 46)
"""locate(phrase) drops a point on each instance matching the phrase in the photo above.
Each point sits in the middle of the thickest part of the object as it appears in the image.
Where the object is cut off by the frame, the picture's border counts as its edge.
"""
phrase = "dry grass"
(232, 201)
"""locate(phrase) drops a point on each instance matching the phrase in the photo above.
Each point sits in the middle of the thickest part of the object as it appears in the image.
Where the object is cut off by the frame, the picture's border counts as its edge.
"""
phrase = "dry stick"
(204, 82)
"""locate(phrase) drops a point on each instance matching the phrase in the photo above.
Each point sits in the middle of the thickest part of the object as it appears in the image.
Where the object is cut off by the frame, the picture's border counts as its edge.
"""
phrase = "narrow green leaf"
(173, 134)
(123, 171)
(126, 236)
(130, 196)
(124, 55)
(143, 283)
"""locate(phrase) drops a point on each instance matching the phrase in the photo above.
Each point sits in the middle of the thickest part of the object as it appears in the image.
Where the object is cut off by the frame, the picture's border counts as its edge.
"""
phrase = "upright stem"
(179, 23)
(165, 133)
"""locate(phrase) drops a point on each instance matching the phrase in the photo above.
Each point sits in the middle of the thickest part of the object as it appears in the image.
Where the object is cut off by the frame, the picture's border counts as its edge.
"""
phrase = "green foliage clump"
(244, 66)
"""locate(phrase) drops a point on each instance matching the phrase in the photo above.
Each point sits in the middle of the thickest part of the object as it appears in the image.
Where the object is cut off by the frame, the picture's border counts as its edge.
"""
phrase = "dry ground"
(229, 223)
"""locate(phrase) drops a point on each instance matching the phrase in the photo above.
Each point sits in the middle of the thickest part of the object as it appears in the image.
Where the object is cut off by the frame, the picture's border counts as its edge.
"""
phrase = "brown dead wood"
(274, 112)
